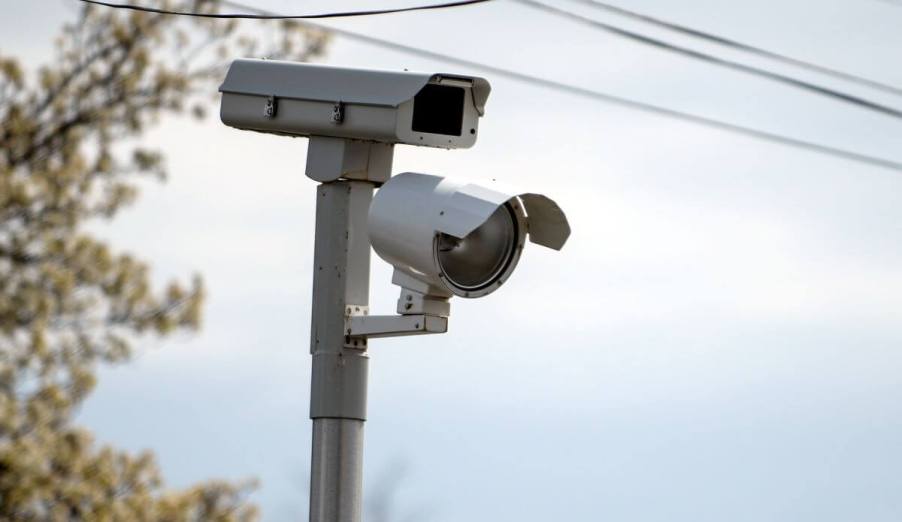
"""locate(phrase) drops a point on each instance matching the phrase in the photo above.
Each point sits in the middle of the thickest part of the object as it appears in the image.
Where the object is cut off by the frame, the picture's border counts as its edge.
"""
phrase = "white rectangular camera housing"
(302, 99)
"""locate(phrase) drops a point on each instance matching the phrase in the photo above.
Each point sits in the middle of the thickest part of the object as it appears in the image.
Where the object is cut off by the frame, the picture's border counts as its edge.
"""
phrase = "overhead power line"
(742, 46)
(599, 96)
(273, 16)
(660, 44)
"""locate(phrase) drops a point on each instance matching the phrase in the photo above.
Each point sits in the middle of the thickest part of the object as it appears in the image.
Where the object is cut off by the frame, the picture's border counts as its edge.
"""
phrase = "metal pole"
(336, 485)
(339, 379)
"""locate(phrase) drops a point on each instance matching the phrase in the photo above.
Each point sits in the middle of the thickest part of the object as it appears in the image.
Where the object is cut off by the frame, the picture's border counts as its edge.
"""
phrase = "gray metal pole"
(336, 485)
(339, 379)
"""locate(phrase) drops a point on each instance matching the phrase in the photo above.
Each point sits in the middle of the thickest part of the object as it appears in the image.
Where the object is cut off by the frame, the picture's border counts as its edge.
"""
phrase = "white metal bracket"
(420, 298)
(394, 325)
(359, 325)
(329, 159)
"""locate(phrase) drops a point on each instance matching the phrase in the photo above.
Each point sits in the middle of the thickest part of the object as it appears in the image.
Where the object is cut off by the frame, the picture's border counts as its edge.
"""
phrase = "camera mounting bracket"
(359, 325)
(330, 159)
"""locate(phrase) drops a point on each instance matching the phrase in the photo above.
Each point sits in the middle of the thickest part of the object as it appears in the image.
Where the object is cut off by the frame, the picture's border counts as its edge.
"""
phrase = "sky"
(721, 338)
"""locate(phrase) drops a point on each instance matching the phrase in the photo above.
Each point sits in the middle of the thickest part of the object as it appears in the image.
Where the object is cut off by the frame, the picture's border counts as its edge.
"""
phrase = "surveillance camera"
(447, 238)
(443, 237)
(302, 99)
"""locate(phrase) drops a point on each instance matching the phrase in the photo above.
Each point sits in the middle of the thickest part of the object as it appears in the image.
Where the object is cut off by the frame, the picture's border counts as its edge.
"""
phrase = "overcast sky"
(721, 339)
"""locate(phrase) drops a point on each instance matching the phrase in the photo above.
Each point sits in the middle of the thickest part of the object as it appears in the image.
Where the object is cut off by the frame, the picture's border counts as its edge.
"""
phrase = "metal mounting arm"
(371, 326)
(359, 324)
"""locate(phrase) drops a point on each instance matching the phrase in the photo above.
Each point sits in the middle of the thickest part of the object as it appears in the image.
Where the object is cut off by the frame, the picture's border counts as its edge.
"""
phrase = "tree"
(68, 302)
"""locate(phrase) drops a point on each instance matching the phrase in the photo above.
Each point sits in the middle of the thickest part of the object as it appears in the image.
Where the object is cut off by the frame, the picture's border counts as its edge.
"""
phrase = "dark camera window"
(439, 109)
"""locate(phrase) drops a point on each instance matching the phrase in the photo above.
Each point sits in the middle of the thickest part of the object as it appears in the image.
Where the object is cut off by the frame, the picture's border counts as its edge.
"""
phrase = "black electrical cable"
(660, 44)
(272, 16)
(742, 46)
(600, 96)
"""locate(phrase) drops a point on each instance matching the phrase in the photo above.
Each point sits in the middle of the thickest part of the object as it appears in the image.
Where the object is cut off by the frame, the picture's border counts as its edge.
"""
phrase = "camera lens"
(481, 257)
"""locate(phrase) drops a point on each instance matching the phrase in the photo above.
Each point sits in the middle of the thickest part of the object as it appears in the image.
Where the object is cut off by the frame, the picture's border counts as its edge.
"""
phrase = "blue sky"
(721, 339)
